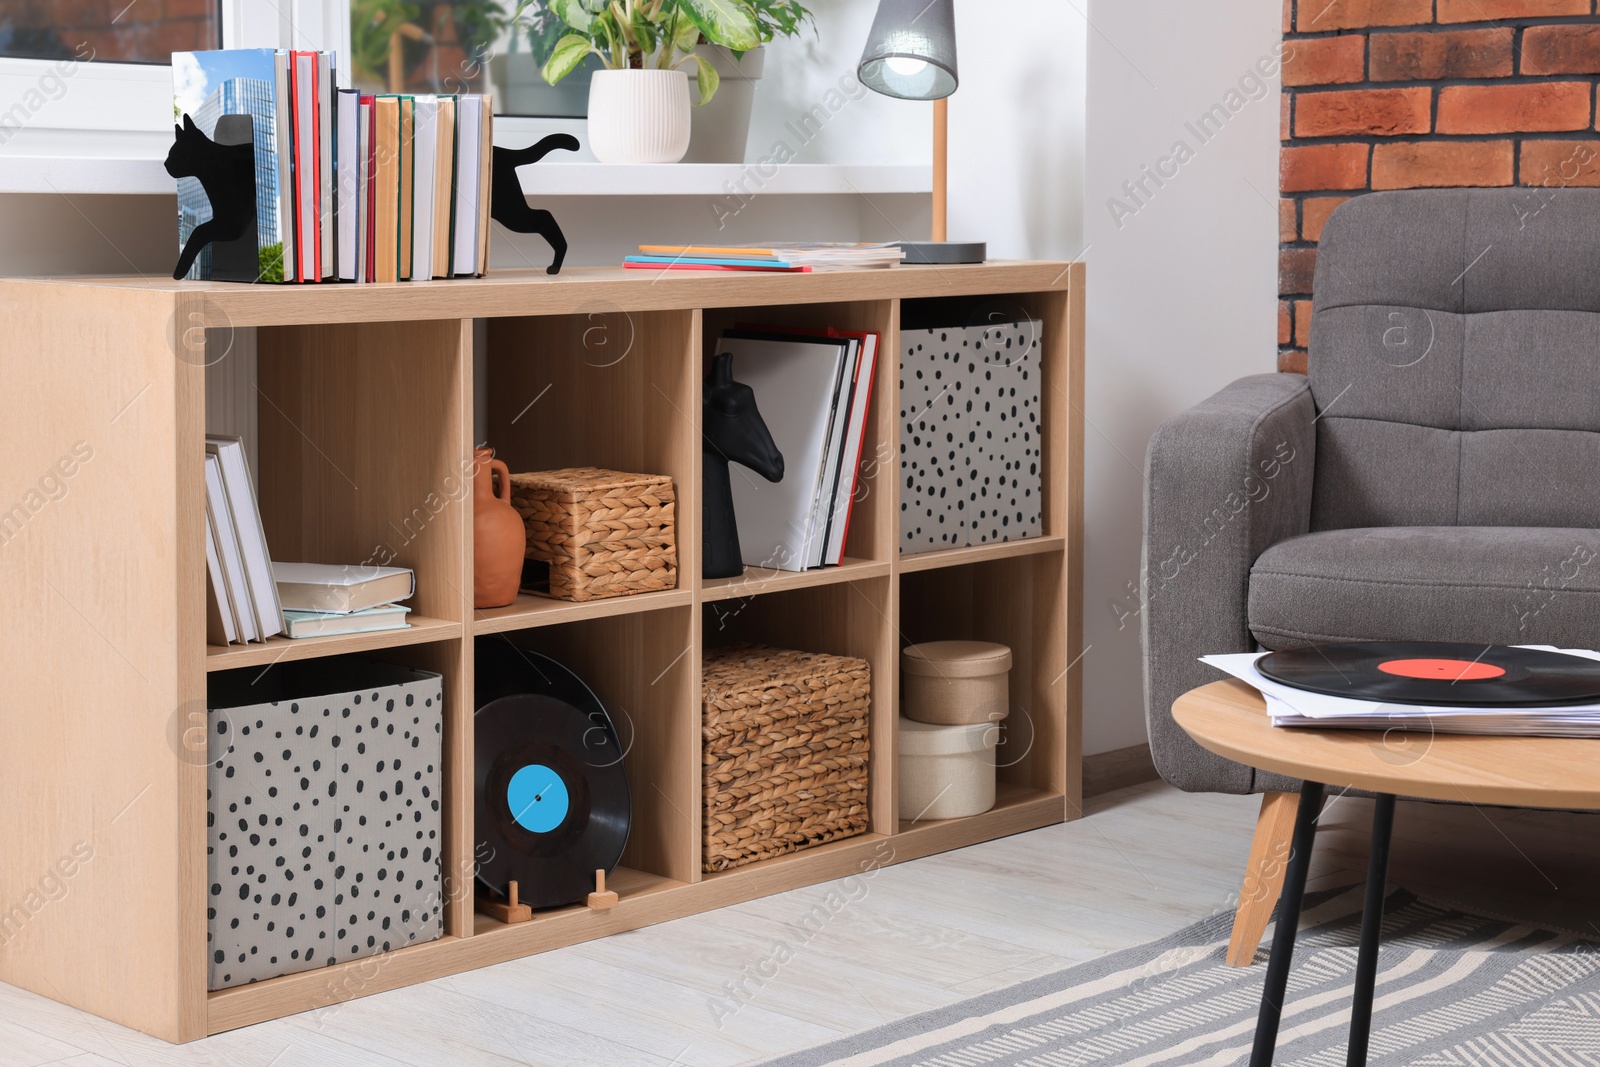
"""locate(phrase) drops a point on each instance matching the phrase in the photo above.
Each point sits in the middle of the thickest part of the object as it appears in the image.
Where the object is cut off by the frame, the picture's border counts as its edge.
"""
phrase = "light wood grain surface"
(532, 292)
(363, 408)
(1230, 719)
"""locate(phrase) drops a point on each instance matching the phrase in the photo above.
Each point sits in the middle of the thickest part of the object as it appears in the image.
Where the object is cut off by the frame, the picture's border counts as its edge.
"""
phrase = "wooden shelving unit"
(365, 406)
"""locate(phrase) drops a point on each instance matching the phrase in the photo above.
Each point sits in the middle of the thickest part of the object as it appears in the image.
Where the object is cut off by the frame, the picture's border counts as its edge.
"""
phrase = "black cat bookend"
(225, 165)
(509, 206)
(733, 432)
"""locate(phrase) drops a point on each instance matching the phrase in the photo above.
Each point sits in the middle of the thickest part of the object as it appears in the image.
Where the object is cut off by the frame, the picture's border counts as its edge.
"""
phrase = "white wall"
(1181, 293)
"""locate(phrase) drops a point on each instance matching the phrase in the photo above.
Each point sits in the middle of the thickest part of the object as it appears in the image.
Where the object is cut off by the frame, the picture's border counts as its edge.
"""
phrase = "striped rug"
(1454, 990)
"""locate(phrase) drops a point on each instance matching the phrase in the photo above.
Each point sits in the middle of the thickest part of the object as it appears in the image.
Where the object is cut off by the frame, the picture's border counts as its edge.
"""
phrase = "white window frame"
(67, 109)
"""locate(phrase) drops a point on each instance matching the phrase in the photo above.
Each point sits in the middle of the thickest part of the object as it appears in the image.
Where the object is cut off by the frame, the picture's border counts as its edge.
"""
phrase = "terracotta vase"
(497, 535)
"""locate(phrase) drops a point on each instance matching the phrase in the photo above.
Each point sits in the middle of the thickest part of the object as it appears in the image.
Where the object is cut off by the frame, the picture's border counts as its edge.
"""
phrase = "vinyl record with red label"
(1442, 673)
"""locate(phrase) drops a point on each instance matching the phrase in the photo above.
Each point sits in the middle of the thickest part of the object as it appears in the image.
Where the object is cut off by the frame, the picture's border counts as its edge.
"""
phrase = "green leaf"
(731, 23)
(574, 14)
(706, 79)
(686, 36)
(568, 53)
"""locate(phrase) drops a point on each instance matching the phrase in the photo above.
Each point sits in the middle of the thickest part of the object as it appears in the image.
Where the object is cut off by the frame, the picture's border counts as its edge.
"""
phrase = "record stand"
(508, 909)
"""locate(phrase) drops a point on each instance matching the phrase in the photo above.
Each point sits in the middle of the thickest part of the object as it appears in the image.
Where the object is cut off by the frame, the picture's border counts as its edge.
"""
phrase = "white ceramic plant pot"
(639, 116)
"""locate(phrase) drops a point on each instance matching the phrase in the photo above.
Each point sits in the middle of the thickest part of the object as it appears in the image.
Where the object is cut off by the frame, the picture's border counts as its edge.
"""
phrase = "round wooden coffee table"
(1230, 719)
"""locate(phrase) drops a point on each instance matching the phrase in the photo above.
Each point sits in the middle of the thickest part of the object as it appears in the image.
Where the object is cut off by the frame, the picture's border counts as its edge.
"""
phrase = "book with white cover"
(424, 174)
(469, 136)
(325, 172)
(227, 626)
(339, 589)
(348, 165)
(838, 419)
(307, 162)
(326, 624)
(257, 561)
(796, 386)
(850, 464)
(229, 553)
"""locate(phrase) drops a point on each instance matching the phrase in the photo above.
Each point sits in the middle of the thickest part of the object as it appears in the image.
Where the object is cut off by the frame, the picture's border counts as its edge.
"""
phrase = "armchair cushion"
(1455, 360)
(1506, 585)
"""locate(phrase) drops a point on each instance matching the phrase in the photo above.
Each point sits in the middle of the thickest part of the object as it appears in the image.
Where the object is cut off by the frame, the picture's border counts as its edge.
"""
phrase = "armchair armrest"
(1224, 481)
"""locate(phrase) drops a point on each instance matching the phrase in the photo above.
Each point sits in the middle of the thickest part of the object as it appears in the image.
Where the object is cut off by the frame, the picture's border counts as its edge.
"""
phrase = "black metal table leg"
(1294, 891)
(1371, 931)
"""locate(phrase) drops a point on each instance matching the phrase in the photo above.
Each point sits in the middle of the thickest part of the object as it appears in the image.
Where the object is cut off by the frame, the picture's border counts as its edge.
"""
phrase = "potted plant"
(720, 128)
(639, 104)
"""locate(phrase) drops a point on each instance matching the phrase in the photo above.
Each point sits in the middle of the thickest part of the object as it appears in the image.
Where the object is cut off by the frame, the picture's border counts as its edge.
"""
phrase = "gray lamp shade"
(911, 51)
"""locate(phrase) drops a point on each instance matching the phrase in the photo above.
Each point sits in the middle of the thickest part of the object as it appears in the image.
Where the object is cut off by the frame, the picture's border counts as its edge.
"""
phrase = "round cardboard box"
(951, 683)
(946, 772)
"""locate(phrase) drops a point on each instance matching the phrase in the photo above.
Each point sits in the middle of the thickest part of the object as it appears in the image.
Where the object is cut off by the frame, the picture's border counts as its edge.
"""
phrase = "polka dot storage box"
(970, 448)
(322, 815)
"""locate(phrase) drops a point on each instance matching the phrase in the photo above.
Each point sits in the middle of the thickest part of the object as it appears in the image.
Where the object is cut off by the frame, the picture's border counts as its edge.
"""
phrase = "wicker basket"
(602, 533)
(785, 754)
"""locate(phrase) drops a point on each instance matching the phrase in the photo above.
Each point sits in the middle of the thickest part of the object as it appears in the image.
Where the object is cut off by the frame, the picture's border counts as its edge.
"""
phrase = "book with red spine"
(307, 168)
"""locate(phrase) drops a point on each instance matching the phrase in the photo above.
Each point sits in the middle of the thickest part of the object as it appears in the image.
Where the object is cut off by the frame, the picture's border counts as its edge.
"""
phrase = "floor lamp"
(911, 55)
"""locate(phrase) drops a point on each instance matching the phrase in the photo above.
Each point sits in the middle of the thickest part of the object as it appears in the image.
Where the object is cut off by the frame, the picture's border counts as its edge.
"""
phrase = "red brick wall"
(1406, 94)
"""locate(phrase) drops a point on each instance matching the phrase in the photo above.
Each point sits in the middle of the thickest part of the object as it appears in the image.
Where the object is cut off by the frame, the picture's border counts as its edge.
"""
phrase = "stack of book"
(242, 599)
(321, 599)
(814, 389)
(348, 187)
(251, 598)
(782, 259)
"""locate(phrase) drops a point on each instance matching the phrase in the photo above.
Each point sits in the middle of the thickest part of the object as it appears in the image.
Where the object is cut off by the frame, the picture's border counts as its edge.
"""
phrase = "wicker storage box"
(601, 533)
(785, 752)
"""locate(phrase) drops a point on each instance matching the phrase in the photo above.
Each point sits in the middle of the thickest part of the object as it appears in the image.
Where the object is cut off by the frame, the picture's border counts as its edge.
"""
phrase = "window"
(458, 46)
(92, 79)
(139, 33)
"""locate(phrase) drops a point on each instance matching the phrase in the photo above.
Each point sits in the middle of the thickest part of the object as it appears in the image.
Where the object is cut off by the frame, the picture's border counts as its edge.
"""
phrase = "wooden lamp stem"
(941, 161)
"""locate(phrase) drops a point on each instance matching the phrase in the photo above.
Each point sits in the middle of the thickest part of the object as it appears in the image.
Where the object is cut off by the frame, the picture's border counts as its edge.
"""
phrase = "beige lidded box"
(946, 772)
(955, 683)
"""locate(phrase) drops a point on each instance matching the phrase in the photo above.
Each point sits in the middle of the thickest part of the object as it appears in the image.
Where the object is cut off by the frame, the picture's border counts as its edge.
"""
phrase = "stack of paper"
(1288, 706)
(789, 258)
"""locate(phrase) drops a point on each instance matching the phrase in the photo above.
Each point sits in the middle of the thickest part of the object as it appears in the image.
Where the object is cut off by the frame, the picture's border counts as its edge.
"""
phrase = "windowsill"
(79, 175)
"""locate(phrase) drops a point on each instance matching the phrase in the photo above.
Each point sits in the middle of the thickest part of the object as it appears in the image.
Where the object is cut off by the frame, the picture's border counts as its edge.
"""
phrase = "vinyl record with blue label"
(552, 798)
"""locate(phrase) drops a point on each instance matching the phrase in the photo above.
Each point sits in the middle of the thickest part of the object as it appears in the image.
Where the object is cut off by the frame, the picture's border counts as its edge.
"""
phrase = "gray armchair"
(1437, 476)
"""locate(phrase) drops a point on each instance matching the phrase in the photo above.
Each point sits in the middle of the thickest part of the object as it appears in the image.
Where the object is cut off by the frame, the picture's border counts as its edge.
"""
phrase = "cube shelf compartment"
(364, 398)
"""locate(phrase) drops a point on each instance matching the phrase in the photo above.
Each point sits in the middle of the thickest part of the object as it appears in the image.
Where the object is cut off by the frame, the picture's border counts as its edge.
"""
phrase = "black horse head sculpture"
(732, 431)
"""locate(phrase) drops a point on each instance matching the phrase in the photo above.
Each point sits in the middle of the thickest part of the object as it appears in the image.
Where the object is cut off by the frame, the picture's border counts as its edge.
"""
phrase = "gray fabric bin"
(323, 816)
(971, 457)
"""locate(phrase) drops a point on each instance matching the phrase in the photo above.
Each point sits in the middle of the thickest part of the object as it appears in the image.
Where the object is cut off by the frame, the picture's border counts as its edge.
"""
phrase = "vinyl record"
(1443, 673)
(552, 798)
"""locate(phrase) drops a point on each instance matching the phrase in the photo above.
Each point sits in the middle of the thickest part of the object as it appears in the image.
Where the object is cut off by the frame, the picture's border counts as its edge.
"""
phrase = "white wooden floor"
(750, 982)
